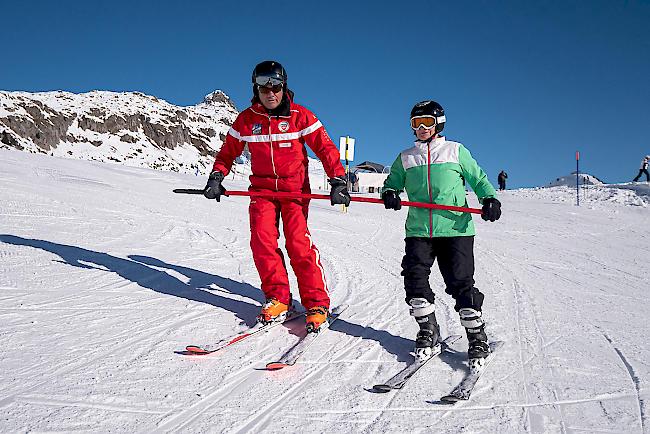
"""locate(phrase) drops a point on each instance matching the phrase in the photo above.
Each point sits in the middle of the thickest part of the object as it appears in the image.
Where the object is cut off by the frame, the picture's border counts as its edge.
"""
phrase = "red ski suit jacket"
(276, 143)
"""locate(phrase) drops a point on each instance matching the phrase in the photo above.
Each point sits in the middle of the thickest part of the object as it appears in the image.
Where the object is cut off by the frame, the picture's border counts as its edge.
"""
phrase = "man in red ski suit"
(276, 130)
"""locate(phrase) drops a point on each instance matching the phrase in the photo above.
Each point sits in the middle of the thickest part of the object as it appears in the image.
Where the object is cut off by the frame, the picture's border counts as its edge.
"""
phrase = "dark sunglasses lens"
(267, 89)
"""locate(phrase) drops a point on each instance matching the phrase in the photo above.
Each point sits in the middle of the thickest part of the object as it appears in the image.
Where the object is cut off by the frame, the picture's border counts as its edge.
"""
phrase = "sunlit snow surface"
(105, 273)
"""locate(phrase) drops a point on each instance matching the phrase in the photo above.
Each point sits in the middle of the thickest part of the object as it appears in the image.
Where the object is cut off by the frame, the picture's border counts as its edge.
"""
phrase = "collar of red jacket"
(283, 110)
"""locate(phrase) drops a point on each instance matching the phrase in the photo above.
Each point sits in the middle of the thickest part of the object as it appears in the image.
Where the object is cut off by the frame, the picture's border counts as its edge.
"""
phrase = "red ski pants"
(265, 217)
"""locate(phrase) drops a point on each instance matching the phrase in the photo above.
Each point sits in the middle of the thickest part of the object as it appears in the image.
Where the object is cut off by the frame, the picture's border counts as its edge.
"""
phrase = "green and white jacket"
(436, 172)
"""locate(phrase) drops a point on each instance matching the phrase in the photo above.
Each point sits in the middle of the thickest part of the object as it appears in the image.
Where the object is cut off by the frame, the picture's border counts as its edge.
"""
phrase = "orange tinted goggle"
(427, 122)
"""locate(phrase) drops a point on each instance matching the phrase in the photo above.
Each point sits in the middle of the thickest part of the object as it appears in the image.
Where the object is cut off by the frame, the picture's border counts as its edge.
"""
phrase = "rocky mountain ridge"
(125, 127)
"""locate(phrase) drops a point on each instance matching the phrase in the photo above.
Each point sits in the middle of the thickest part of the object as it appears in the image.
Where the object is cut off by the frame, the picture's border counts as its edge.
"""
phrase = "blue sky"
(524, 84)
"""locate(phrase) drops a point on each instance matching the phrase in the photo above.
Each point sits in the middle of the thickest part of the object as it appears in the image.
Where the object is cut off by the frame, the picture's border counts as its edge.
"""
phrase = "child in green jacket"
(435, 170)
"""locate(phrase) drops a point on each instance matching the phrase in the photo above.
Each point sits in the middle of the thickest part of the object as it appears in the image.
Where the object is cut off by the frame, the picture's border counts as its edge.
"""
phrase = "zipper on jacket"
(272, 159)
(429, 188)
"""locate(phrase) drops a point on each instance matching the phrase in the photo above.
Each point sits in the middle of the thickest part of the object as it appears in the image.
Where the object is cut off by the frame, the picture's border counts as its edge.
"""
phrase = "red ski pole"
(287, 195)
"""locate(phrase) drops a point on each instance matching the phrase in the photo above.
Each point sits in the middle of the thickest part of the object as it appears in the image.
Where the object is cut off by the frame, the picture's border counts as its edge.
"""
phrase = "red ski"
(256, 330)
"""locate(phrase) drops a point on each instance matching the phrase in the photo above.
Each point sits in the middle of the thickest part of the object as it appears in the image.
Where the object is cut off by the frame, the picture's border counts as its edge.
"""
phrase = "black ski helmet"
(270, 69)
(430, 108)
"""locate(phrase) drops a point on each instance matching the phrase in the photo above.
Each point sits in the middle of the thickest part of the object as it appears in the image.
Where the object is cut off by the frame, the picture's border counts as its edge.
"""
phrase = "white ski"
(399, 379)
(464, 389)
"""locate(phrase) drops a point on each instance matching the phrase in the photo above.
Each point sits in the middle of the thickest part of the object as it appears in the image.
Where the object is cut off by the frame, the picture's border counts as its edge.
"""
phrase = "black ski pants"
(641, 172)
(456, 263)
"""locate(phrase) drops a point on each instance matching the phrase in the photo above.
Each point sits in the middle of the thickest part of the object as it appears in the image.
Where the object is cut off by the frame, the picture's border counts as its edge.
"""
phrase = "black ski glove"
(213, 189)
(339, 194)
(391, 200)
(491, 209)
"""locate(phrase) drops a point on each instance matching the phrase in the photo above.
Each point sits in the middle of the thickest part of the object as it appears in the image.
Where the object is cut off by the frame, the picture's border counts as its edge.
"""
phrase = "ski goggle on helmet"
(270, 82)
(427, 122)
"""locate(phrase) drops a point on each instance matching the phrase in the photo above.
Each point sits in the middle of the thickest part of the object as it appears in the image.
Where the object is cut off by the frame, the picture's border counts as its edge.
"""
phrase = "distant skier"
(434, 170)
(276, 130)
(644, 169)
(502, 180)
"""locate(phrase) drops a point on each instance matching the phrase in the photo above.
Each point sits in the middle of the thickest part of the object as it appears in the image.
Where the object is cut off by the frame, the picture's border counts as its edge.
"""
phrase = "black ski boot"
(427, 338)
(429, 334)
(475, 327)
(478, 345)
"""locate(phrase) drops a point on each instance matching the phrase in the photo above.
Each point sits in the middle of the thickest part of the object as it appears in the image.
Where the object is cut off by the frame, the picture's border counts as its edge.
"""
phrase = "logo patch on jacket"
(257, 129)
(283, 126)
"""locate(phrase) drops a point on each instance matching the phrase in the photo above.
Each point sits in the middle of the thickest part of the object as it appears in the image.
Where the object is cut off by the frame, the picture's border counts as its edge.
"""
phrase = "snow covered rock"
(125, 127)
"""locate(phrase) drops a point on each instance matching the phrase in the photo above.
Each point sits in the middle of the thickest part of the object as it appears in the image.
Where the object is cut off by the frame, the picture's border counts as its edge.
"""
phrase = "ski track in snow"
(96, 355)
(525, 300)
(104, 273)
(635, 380)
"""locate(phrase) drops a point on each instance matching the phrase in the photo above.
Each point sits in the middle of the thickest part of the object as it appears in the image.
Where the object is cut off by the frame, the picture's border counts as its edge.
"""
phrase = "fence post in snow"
(346, 147)
(577, 178)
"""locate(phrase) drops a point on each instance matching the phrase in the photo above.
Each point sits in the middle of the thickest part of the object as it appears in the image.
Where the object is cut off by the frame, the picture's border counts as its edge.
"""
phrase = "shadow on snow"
(140, 270)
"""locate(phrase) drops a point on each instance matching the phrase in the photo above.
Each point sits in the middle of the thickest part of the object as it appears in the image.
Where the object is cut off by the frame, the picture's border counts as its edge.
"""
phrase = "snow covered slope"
(126, 127)
(570, 180)
(104, 274)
